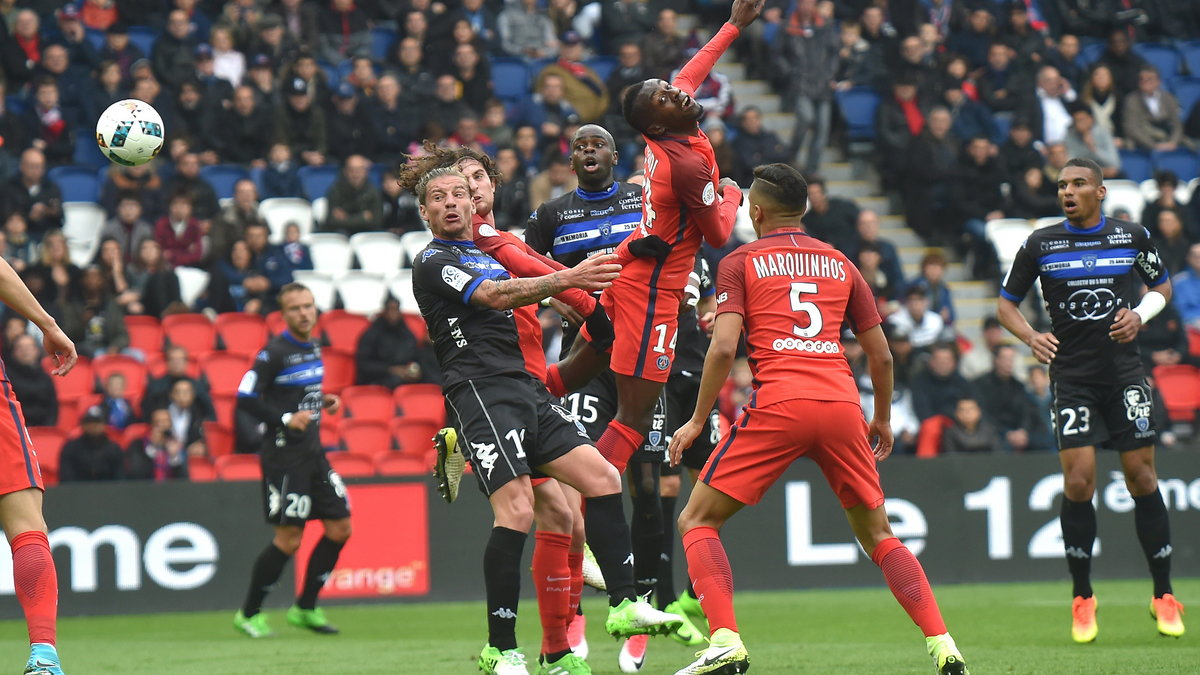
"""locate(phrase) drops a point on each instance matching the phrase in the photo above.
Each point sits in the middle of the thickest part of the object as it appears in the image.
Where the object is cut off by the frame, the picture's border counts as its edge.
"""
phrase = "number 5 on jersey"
(815, 321)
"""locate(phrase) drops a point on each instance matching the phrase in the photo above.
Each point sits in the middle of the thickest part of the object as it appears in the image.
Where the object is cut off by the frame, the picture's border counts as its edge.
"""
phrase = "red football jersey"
(794, 293)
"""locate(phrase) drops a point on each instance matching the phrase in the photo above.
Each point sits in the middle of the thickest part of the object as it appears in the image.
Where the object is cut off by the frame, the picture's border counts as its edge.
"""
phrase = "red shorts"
(763, 442)
(645, 320)
(18, 462)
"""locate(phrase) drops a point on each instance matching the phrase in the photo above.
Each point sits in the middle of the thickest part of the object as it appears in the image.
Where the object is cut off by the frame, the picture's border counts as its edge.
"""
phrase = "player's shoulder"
(1123, 231)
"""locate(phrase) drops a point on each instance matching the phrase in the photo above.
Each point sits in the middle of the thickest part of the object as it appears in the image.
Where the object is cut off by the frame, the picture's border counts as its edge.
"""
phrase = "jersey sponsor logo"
(798, 265)
(456, 333)
(810, 346)
(263, 356)
(1137, 406)
(722, 298)
(631, 202)
(486, 455)
(570, 213)
(1055, 244)
(1089, 304)
(1150, 263)
(249, 381)
(455, 278)
(1120, 238)
(710, 194)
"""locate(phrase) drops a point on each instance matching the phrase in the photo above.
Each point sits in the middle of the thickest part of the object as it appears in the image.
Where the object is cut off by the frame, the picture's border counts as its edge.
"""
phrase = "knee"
(553, 516)
(606, 480)
(692, 518)
(516, 514)
(289, 541)
(1141, 481)
(1079, 487)
(338, 531)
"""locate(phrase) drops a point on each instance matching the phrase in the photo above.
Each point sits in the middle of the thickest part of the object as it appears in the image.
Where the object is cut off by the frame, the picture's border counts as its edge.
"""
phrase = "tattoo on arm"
(511, 293)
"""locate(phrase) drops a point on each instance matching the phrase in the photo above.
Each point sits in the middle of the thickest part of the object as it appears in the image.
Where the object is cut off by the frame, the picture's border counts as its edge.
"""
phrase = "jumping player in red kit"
(685, 201)
(790, 295)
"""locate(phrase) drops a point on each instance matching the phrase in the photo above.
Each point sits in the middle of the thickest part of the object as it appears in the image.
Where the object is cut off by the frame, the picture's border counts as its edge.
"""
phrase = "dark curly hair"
(435, 157)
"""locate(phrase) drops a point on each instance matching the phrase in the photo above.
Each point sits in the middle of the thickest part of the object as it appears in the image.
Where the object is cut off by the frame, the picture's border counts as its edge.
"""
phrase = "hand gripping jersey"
(1086, 277)
(794, 292)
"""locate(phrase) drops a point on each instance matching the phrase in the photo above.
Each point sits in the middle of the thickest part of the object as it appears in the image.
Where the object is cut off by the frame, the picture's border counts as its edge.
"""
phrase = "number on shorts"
(517, 436)
(661, 329)
(1082, 418)
(815, 321)
(583, 407)
(298, 506)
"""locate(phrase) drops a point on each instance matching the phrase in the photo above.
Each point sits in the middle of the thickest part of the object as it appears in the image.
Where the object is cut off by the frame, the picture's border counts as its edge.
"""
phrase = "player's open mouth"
(1069, 204)
(686, 103)
(452, 218)
(591, 165)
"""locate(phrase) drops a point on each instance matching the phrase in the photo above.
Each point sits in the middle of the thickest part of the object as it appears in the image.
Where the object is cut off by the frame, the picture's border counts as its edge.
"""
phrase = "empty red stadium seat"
(351, 464)
(70, 411)
(275, 323)
(201, 470)
(145, 333)
(81, 381)
(225, 404)
(193, 332)
(416, 324)
(366, 437)
(397, 464)
(1194, 337)
(134, 371)
(218, 438)
(421, 400)
(343, 329)
(1180, 389)
(414, 435)
(242, 333)
(48, 443)
(339, 370)
(929, 438)
(238, 467)
(224, 371)
(369, 402)
(133, 432)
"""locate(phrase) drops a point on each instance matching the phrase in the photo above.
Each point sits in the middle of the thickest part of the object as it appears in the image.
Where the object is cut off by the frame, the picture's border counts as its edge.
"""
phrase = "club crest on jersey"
(654, 438)
(710, 194)
(1089, 261)
(663, 362)
(606, 228)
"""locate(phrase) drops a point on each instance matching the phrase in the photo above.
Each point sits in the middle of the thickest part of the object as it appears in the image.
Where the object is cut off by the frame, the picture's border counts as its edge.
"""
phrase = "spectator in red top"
(98, 14)
(25, 32)
(47, 124)
(179, 233)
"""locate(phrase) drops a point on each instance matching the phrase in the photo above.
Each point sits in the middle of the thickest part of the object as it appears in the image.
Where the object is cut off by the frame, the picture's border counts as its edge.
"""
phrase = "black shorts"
(507, 425)
(681, 392)
(297, 491)
(1115, 416)
(595, 404)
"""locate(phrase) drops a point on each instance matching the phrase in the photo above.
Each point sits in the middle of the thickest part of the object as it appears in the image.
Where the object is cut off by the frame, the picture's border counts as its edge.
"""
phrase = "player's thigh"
(594, 404)
(636, 400)
(512, 504)
(654, 446)
(754, 453)
(645, 323)
(1078, 415)
(331, 503)
(682, 393)
(1141, 478)
(21, 511)
(836, 434)
(287, 490)
(493, 417)
(19, 468)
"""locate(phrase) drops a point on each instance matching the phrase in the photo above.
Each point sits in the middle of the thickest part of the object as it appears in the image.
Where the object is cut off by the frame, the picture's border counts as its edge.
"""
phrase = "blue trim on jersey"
(1009, 296)
(287, 335)
(611, 241)
(597, 196)
(593, 223)
(1165, 278)
(1078, 255)
(252, 394)
(708, 292)
(460, 242)
(1091, 230)
(470, 289)
(301, 367)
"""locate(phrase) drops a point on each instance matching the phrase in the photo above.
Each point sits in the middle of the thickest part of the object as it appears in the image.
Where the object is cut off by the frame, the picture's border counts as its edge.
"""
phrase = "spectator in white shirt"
(924, 327)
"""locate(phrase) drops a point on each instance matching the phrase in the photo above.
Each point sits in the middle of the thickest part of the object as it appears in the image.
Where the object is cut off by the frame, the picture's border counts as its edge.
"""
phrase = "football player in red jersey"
(685, 201)
(790, 295)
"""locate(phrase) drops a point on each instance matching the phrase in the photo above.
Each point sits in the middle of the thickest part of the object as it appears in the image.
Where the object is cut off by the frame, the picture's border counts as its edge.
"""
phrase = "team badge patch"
(654, 438)
(663, 362)
(1089, 262)
(710, 194)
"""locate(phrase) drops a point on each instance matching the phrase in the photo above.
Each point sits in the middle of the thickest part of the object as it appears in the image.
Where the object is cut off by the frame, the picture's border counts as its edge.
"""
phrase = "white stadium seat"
(1124, 194)
(401, 288)
(331, 253)
(362, 292)
(193, 281)
(279, 211)
(82, 222)
(413, 242)
(320, 209)
(380, 253)
(322, 287)
(1047, 222)
(1007, 235)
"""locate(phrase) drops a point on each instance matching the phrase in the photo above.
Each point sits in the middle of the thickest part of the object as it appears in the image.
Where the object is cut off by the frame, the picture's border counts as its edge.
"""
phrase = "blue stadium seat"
(144, 37)
(858, 109)
(222, 178)
(1089, 54)
(376, 174)
(1183, 162)
(317, 179)
(256, 175)
(1162, 57)
(1187, 90)
(382, 40)
(78, 184)
(87, 155)
(1003, 122)
(603, 65)
(537, 65)
(95, 38)
(510, 78)
(1190, 52)
(332, 74)
(1136, 165)
(15, 104)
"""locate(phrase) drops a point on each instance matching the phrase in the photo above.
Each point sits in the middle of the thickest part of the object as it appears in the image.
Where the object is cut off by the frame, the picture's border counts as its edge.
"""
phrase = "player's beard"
(699, 108)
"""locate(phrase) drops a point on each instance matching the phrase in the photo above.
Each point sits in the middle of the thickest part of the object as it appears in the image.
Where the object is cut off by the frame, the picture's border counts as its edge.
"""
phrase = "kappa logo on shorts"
(663, 362)
(485, 454)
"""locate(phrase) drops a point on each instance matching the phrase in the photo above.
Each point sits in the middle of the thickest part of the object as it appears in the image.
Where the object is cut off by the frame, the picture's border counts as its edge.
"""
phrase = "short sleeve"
(731, 284)
(259, 377)
(1022, 275)
(861, 310)
(444, 275)
(1148, 263)
(536, 234)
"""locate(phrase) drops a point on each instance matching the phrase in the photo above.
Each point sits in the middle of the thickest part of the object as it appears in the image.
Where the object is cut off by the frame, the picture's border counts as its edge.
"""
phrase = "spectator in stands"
(138, 182)
(400, 207)
(173, 55)
(1028, 44)
(153, 279)
(830, 219)
(26, 32)
(98, 14)
(388, 353)
(95, 321)
(12, 132)
(118, 410)
(625, 21)
(147, 88)
(344, 31)
(899, 120)
(980, 358)
(301, 19)
(1171, 240)
(349, 125)
(555, 180)
(1047, 110)
(158, 455)
(494, 124)
(180, 232)
(195, 117)
(34, 196)
(931, 277)
(74, 84)
(301, 124)
(663, 47)
(525, 142)
(805, 67)
(923, 326)
(281, 177)
(728, 163)
(158, 389)
(928, 166)
(187, 418)
(1085, 139)
(1064, 57)
(355, 205)
(1006, 403)
(969, 431)
(362, 77)
(306, 68)
(1033, 196)
(1168, 185)
(526, 32)
(582, 87)
(298, 255)
(31, 383)
(631, 69)
(235, 284)
(119, 49)
(270, 262)
(1152, 115)
(1017, 154)
(54, 280)
(228, 63)
(978, 198)
(415, 80)
(938, 387)
(1124, 63)
(974, 40)
(91, 456)
(1164, 341)
(858, 65)
(915, 63)
(273, 40)
(483, 21)
(446, 108)
(467, 133)
(474, 74)
(755, 146)
(512, 194)
(110, 260)
(1186, 289)
(261, 79)
(188, 181)
(1100, 95)
(867, 229)
(549, 111)
(969, 118)
(1001, 82)
(231, 224)
(19, 249)
(47, 124)
(869, 259)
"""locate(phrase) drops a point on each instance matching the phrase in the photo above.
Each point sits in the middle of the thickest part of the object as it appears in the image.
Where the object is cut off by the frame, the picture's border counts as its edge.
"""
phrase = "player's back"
(795, 293)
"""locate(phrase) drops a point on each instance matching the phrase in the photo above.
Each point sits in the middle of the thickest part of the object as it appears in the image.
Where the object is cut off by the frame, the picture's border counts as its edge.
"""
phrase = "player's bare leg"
(512, 508)
(305, 613)
(1078, 521)
(906, 578)
(608, 533)
(34, 576)
(551, 568)
(1154, 534)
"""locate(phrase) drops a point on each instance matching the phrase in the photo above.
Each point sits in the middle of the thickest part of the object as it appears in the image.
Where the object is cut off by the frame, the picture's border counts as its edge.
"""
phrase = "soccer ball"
(130, 132)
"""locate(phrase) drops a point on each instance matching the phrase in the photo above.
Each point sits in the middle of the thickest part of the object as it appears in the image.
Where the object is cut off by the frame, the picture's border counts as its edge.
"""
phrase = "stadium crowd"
(971, 108)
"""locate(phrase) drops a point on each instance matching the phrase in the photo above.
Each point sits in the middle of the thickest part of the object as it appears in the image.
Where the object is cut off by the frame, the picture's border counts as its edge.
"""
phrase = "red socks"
(708, 567)
(906, 578)
(554, 383)
(618, 443)
(575, 564)
(36, 584)
(552, 579)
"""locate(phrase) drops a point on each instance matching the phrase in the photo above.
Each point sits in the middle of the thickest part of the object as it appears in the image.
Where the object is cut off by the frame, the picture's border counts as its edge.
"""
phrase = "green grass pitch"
(1001, 628)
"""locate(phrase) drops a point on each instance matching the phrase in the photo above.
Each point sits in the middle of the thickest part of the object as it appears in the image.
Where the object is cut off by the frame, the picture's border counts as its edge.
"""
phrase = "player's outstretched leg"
(36, 582)
(450, 464)
(1154, 533)
(305, 613)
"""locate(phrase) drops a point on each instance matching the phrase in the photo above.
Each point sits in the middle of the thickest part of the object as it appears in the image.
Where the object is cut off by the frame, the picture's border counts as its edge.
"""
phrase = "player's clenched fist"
(594, 274)
(745, 12)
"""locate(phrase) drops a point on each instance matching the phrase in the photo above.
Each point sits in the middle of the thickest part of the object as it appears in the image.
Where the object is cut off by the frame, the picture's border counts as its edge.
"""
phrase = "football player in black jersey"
(283, 391)
(507, 422)
(1087, 266)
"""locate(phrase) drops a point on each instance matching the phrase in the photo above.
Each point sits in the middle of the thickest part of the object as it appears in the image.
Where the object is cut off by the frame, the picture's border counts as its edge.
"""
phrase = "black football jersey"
(692, 345)
(1087, 275)
(287, 376)
(470, 341)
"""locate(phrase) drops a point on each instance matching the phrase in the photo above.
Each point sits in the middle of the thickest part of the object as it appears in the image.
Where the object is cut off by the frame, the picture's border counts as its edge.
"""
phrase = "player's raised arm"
(594, 274)
(16, 295)
(523, 261)
(743, 14)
